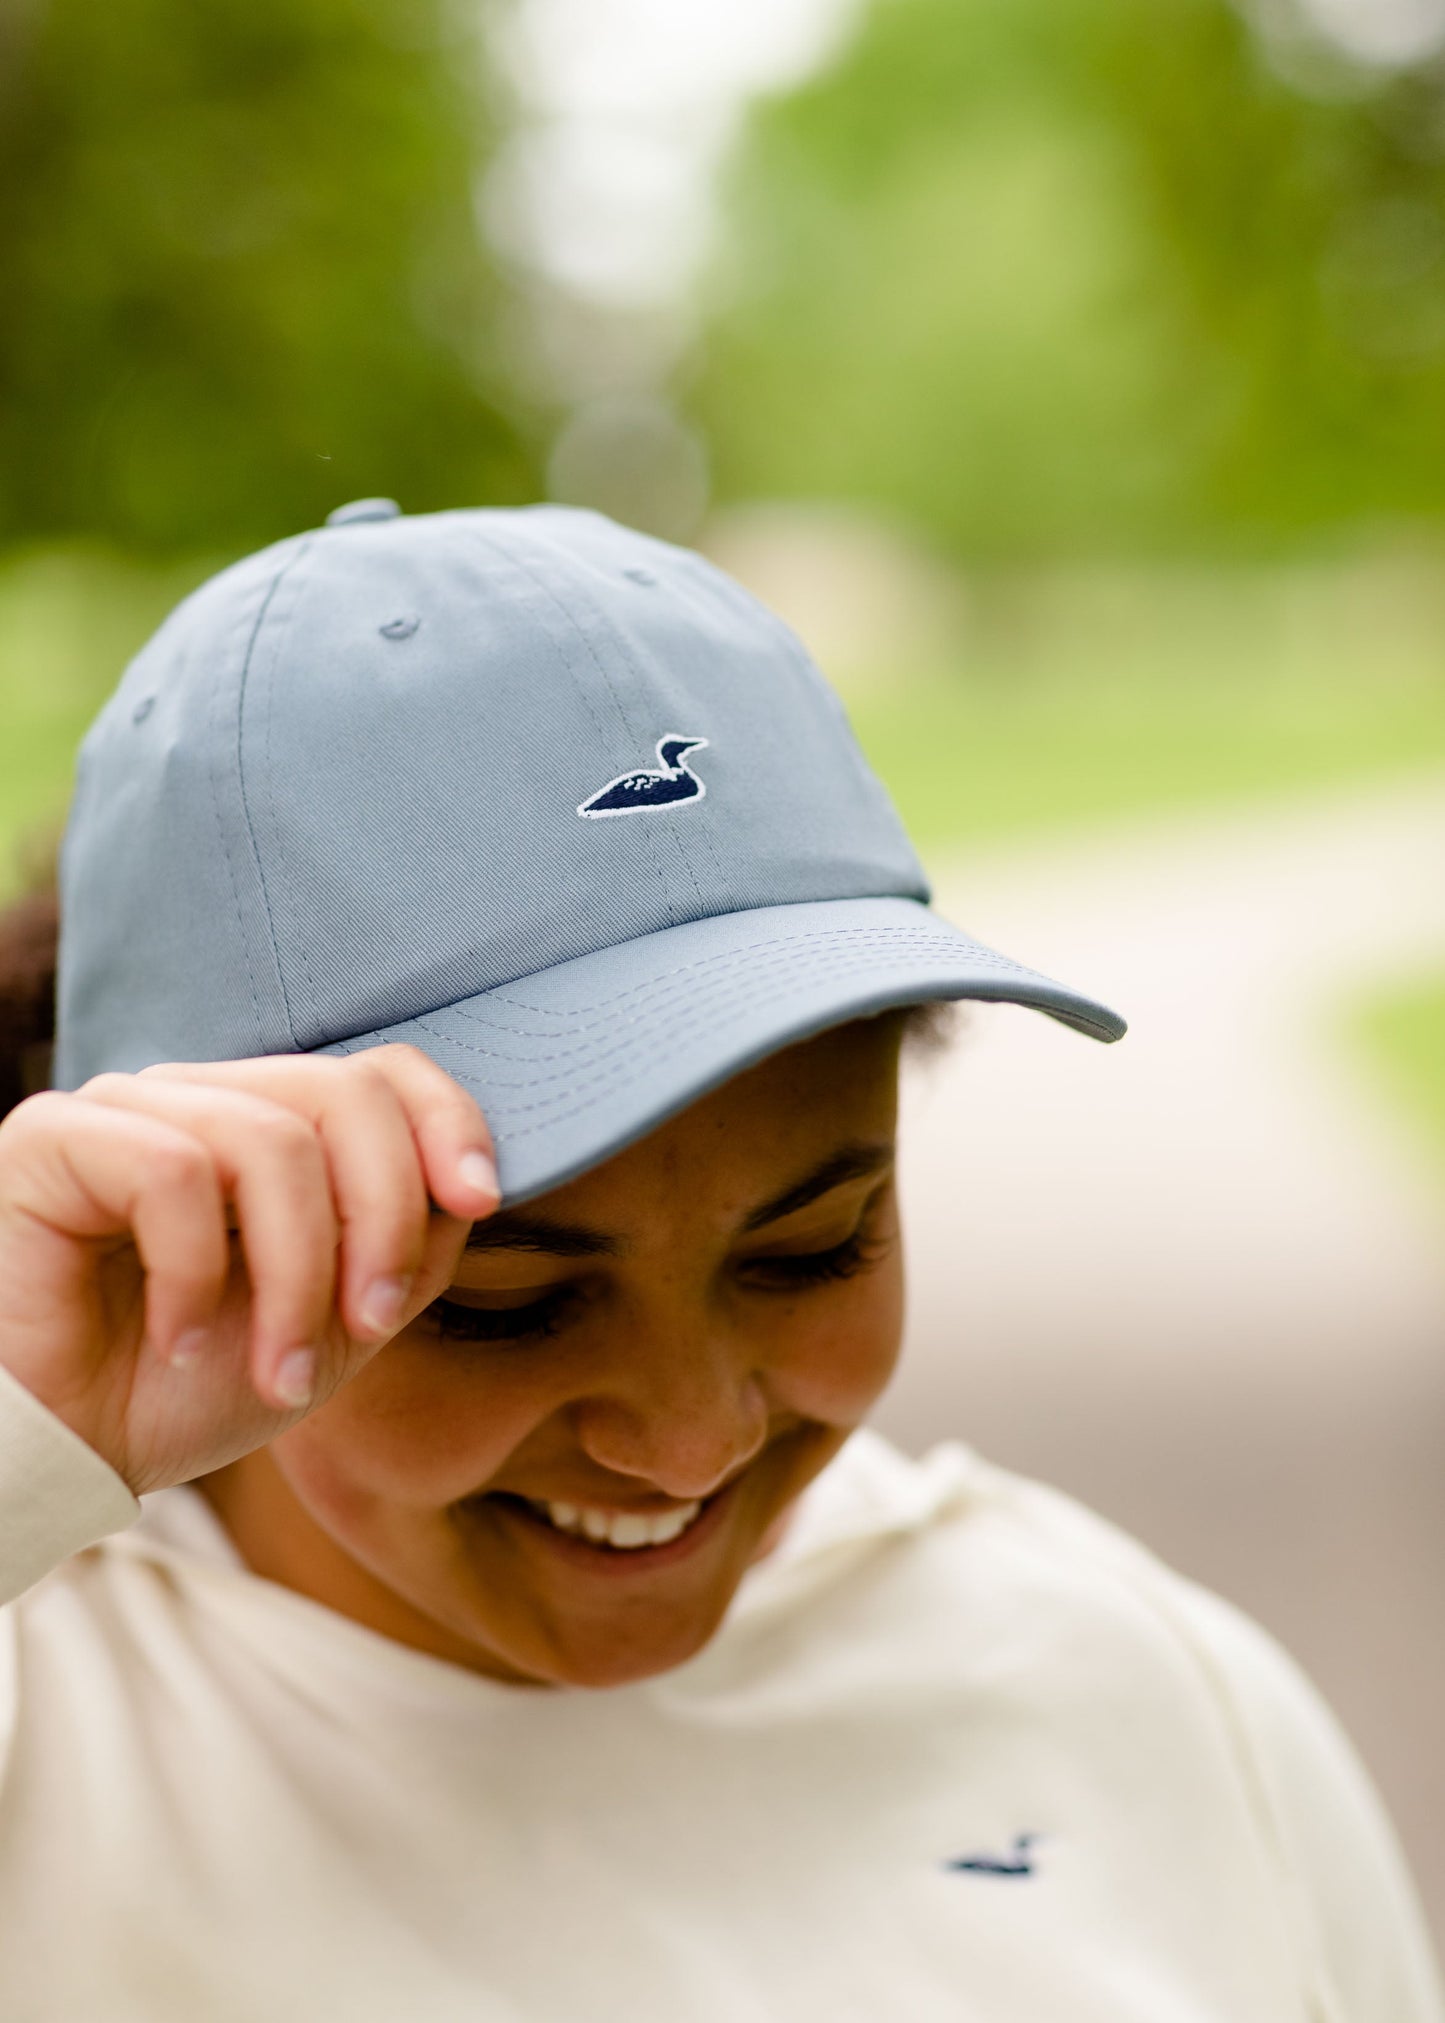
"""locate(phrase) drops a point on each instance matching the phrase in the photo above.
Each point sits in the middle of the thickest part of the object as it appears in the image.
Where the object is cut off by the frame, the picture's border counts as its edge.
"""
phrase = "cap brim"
(576, 1062)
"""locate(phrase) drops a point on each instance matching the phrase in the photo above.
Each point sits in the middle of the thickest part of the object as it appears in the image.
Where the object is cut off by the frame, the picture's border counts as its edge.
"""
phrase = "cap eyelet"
(399, 628)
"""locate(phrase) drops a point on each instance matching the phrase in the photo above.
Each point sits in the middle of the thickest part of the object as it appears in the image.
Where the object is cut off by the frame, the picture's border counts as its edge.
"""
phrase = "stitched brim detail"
(574, 1063)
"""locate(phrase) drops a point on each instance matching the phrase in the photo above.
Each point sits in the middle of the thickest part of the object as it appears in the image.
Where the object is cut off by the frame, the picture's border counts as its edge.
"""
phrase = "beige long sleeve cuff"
(56, 1494)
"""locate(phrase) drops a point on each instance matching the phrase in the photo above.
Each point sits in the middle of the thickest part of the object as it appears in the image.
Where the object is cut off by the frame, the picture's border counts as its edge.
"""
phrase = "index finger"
(453, 1143)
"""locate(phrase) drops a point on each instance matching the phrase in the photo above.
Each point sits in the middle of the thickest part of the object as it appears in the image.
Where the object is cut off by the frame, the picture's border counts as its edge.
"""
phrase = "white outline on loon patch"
(671, 786)
(1020, 1862)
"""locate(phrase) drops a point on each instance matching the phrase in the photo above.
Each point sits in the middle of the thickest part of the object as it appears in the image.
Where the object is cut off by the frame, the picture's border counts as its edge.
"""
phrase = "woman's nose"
(685, 1421)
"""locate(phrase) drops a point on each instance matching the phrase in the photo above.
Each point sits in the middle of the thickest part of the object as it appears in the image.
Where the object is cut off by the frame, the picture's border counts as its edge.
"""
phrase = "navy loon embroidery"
(632, 793)
(1020, 1862)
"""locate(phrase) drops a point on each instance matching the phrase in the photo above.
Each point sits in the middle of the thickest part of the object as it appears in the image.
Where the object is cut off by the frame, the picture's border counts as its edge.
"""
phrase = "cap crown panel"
(165, 952)
(324, 821)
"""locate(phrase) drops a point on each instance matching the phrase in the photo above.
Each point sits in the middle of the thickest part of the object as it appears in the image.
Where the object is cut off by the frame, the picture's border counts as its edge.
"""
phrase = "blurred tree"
(242, 278)
(1051, 275)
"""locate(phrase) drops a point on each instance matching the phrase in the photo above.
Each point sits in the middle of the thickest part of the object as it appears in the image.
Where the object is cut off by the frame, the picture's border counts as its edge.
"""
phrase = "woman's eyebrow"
(849, 1162)
(516, 1230)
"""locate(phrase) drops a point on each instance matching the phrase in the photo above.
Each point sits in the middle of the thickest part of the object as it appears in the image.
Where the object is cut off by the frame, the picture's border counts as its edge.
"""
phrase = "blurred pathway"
(1198, 1279)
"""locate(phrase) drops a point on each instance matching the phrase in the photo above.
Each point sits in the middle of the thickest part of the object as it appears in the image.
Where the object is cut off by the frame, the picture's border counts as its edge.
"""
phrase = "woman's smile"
(628, 1530)
(692, 1527)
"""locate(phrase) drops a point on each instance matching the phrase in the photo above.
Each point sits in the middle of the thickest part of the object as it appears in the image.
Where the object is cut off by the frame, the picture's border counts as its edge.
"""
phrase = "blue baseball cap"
(560, 805)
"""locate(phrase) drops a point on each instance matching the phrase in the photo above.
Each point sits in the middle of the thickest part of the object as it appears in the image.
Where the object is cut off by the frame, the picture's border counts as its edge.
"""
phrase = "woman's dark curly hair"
(29, 933)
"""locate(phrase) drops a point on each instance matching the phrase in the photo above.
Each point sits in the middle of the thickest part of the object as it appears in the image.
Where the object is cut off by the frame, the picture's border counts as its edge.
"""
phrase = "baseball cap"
(557, 803)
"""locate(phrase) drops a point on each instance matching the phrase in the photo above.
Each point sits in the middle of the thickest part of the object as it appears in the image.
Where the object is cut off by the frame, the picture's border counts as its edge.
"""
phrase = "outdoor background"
(1072, 373)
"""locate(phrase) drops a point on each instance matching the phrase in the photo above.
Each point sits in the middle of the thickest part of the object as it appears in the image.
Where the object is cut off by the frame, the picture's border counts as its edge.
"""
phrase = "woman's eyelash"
(856, 1253)
(542, 1318)
(499, 1324)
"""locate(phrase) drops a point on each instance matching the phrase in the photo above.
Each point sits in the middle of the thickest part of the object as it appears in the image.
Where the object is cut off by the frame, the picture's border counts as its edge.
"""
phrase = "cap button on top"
(364, 509)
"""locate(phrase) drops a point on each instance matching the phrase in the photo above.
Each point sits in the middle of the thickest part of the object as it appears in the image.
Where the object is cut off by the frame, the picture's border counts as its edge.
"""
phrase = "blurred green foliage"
(1005, 761)
(1089, 694)
(70, 619)
(1043, 278)
(1404, 1034)
(242, 275)
(1051, 276)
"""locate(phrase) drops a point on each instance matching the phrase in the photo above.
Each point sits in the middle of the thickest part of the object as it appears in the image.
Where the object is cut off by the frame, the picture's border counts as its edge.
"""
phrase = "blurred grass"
(70, 618)
(1096, 693)
(1403, 1035)
(1072, 699)
(966, 766)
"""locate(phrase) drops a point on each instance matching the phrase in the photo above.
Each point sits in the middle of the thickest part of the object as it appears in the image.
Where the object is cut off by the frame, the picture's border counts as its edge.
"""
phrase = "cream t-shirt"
(960, 1753)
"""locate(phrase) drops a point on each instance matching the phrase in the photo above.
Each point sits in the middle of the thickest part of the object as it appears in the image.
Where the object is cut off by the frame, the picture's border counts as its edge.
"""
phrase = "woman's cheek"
(423, 1423)
(833, 1354)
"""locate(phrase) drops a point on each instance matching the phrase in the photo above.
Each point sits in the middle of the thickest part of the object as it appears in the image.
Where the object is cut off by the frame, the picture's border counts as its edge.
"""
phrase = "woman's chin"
(627, 1665)
(616, 1628)
(598, 1655)
(560, 1608)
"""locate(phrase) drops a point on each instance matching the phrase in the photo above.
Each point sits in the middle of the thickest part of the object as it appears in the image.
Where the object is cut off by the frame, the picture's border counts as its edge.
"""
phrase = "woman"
(464, 1210)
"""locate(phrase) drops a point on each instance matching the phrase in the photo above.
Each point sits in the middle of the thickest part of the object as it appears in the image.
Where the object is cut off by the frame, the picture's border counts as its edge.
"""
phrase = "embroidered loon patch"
(1019, 1862)
(671, 782)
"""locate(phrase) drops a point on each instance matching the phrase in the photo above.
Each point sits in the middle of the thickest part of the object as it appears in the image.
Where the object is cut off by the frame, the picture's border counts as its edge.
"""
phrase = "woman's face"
(687, 1333)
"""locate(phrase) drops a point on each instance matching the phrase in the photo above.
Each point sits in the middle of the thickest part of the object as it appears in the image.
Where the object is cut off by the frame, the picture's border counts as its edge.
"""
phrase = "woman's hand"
(194, 1256)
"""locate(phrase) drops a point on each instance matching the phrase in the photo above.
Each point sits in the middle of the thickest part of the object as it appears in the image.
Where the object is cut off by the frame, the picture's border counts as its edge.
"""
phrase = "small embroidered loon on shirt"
(634, 793)
(1020, 1862)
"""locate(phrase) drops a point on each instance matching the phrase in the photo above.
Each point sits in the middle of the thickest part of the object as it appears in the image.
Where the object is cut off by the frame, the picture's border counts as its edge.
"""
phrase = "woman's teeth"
(626, 1529)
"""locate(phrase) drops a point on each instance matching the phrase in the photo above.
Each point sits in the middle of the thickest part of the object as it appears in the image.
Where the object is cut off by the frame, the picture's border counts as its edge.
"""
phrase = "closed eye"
(857, 1253)
(539, 1319)
(535, 1321)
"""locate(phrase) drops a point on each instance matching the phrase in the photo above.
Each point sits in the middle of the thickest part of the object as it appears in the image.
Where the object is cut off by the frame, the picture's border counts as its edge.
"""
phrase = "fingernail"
(186, 1348)
(295, 1378)
(478, 1171)
(382, 1302)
